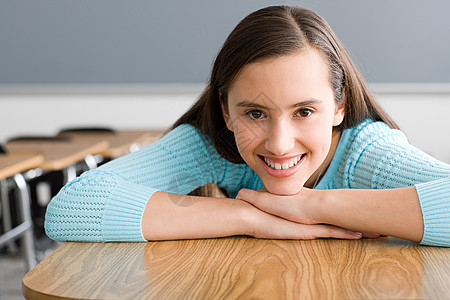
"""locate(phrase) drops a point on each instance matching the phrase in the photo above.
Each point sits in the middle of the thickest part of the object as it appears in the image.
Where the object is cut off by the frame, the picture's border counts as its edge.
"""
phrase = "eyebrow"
(250, 104)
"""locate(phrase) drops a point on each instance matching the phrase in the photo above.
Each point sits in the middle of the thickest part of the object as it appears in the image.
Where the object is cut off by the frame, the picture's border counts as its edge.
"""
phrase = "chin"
(283, 189)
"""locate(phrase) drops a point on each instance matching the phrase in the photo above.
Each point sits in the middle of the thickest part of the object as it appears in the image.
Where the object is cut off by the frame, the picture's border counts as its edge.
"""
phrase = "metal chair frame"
(25, 229)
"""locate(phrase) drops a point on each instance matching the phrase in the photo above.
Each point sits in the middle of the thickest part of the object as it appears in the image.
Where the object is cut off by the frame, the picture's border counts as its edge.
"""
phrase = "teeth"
(284, 166)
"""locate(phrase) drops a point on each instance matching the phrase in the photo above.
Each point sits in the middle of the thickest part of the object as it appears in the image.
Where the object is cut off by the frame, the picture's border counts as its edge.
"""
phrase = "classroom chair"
(16, 216)
(95, 160)
(46, 181)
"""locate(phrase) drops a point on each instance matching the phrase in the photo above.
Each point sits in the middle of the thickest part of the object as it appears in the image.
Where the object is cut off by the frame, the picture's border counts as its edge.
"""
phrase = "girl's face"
(282, 112)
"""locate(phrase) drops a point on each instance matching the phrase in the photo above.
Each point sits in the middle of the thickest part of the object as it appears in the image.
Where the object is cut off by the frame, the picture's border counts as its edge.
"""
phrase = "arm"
(393, 212)
(171, 216)
(107, 204)
(379, 183)
(124, 199)
(381, 158)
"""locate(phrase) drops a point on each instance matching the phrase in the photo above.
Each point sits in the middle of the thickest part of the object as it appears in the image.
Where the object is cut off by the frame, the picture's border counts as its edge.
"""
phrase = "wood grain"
(120, 141)
(58, 154)
(13, 163)
(243, 268)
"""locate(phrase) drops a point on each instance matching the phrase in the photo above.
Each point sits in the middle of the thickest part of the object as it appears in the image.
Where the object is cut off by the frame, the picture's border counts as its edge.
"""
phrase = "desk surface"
(242, 268)
(13, 163)
(119, 141)
(58, 154)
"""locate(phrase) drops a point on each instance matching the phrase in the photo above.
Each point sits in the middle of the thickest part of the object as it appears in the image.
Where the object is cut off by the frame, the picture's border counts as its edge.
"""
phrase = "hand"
(268, 226)
(295, 208)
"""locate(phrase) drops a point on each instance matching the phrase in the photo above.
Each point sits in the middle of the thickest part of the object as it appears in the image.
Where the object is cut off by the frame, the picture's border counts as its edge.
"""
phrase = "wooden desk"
(120, 142)
(58, 154)
(242, 268)
(13, 163)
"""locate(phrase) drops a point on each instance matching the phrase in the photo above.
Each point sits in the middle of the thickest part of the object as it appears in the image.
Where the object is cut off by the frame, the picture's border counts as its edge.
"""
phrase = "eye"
(255, 114)
(304, 112)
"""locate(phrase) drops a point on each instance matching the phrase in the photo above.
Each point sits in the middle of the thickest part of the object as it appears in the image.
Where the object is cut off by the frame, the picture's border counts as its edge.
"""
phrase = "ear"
(225, 113)
(339, 114)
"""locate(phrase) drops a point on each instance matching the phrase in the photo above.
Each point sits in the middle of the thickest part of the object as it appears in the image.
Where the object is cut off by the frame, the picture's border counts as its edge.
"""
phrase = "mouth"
(285, 165)
(282, 167)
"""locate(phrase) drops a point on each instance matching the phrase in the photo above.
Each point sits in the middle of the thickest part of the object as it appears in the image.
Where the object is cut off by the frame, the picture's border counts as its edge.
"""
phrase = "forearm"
(393, 212)
(171, 216)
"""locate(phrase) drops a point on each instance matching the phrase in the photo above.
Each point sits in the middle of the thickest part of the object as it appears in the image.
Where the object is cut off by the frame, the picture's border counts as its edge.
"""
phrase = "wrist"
(246, 218)
(316, 209)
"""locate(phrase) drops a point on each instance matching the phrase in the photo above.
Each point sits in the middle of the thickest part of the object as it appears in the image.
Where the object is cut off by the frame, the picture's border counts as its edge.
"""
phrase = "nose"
(280, 138)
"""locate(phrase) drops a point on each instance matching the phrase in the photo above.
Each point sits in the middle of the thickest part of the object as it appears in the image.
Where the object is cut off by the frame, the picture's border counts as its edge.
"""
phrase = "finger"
(371, 235)
(328, 231)
(273, 227)
(257, 198)
(246, 194)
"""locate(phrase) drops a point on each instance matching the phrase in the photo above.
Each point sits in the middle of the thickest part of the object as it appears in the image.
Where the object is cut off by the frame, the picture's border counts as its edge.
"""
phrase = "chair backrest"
(3, 149)
(39, 139)
(88, 129)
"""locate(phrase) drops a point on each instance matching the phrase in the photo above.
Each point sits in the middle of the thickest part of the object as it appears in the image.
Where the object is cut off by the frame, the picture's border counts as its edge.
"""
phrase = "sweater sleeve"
(382, 158)
(107, 204)
(98, 206)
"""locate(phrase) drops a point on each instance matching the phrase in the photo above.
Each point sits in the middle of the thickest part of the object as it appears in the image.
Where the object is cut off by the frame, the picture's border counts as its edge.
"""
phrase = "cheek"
(247, 137)
(318, 138)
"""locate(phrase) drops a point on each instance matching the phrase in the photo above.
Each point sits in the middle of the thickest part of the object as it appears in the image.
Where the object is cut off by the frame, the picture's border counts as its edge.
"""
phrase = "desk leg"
(28, 237)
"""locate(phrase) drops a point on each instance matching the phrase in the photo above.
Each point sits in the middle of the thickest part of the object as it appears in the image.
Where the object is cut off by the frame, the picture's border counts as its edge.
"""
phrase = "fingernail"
(372, 235)
(357, 234)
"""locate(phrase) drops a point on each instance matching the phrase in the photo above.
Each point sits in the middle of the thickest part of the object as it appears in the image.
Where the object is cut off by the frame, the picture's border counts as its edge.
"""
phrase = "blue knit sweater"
(107, 204)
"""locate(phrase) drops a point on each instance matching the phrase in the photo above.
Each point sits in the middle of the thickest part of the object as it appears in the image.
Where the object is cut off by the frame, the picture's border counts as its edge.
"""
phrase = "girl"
(288, 128)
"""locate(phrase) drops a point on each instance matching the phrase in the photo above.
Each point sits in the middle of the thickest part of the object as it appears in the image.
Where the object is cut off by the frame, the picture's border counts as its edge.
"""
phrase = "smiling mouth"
(284, 165)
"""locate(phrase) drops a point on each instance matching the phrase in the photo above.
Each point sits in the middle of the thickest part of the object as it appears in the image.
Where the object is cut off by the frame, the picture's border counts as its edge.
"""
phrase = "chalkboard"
(127, 42)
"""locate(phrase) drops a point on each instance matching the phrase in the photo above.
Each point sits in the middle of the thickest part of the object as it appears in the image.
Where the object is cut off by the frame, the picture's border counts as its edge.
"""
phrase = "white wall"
(422, 111)
(46, 110)
(424, 118)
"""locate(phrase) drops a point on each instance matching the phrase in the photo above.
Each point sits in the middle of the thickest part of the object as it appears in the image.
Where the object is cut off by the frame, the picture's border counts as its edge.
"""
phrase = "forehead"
(300, 75)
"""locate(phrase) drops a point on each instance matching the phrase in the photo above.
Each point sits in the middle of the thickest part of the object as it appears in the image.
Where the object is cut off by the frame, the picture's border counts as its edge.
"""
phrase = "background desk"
(59, 155)
(120, 142)
(11, 164)
(242, 268)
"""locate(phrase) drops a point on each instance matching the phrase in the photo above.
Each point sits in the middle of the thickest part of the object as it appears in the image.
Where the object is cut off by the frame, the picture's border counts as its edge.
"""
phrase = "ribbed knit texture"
(435, 202)
(97, 207)
(107, 204)
(374, 156)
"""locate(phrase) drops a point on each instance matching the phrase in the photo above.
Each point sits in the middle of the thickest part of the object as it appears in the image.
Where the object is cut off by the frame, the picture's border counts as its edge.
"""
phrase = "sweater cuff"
(122, 217)
(435, 204)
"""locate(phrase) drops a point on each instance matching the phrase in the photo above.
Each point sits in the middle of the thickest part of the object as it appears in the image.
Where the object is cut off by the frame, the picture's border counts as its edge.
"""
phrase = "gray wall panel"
(112, 41)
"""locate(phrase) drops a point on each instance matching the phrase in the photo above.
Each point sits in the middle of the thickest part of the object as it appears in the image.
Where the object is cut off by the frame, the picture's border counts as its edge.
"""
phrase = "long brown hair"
(272, 32)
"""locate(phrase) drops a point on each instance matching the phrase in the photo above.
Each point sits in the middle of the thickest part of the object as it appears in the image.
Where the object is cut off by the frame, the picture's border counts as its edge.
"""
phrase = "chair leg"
(6, 213)
(28, 237)
(70, 173)
(90, 162)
